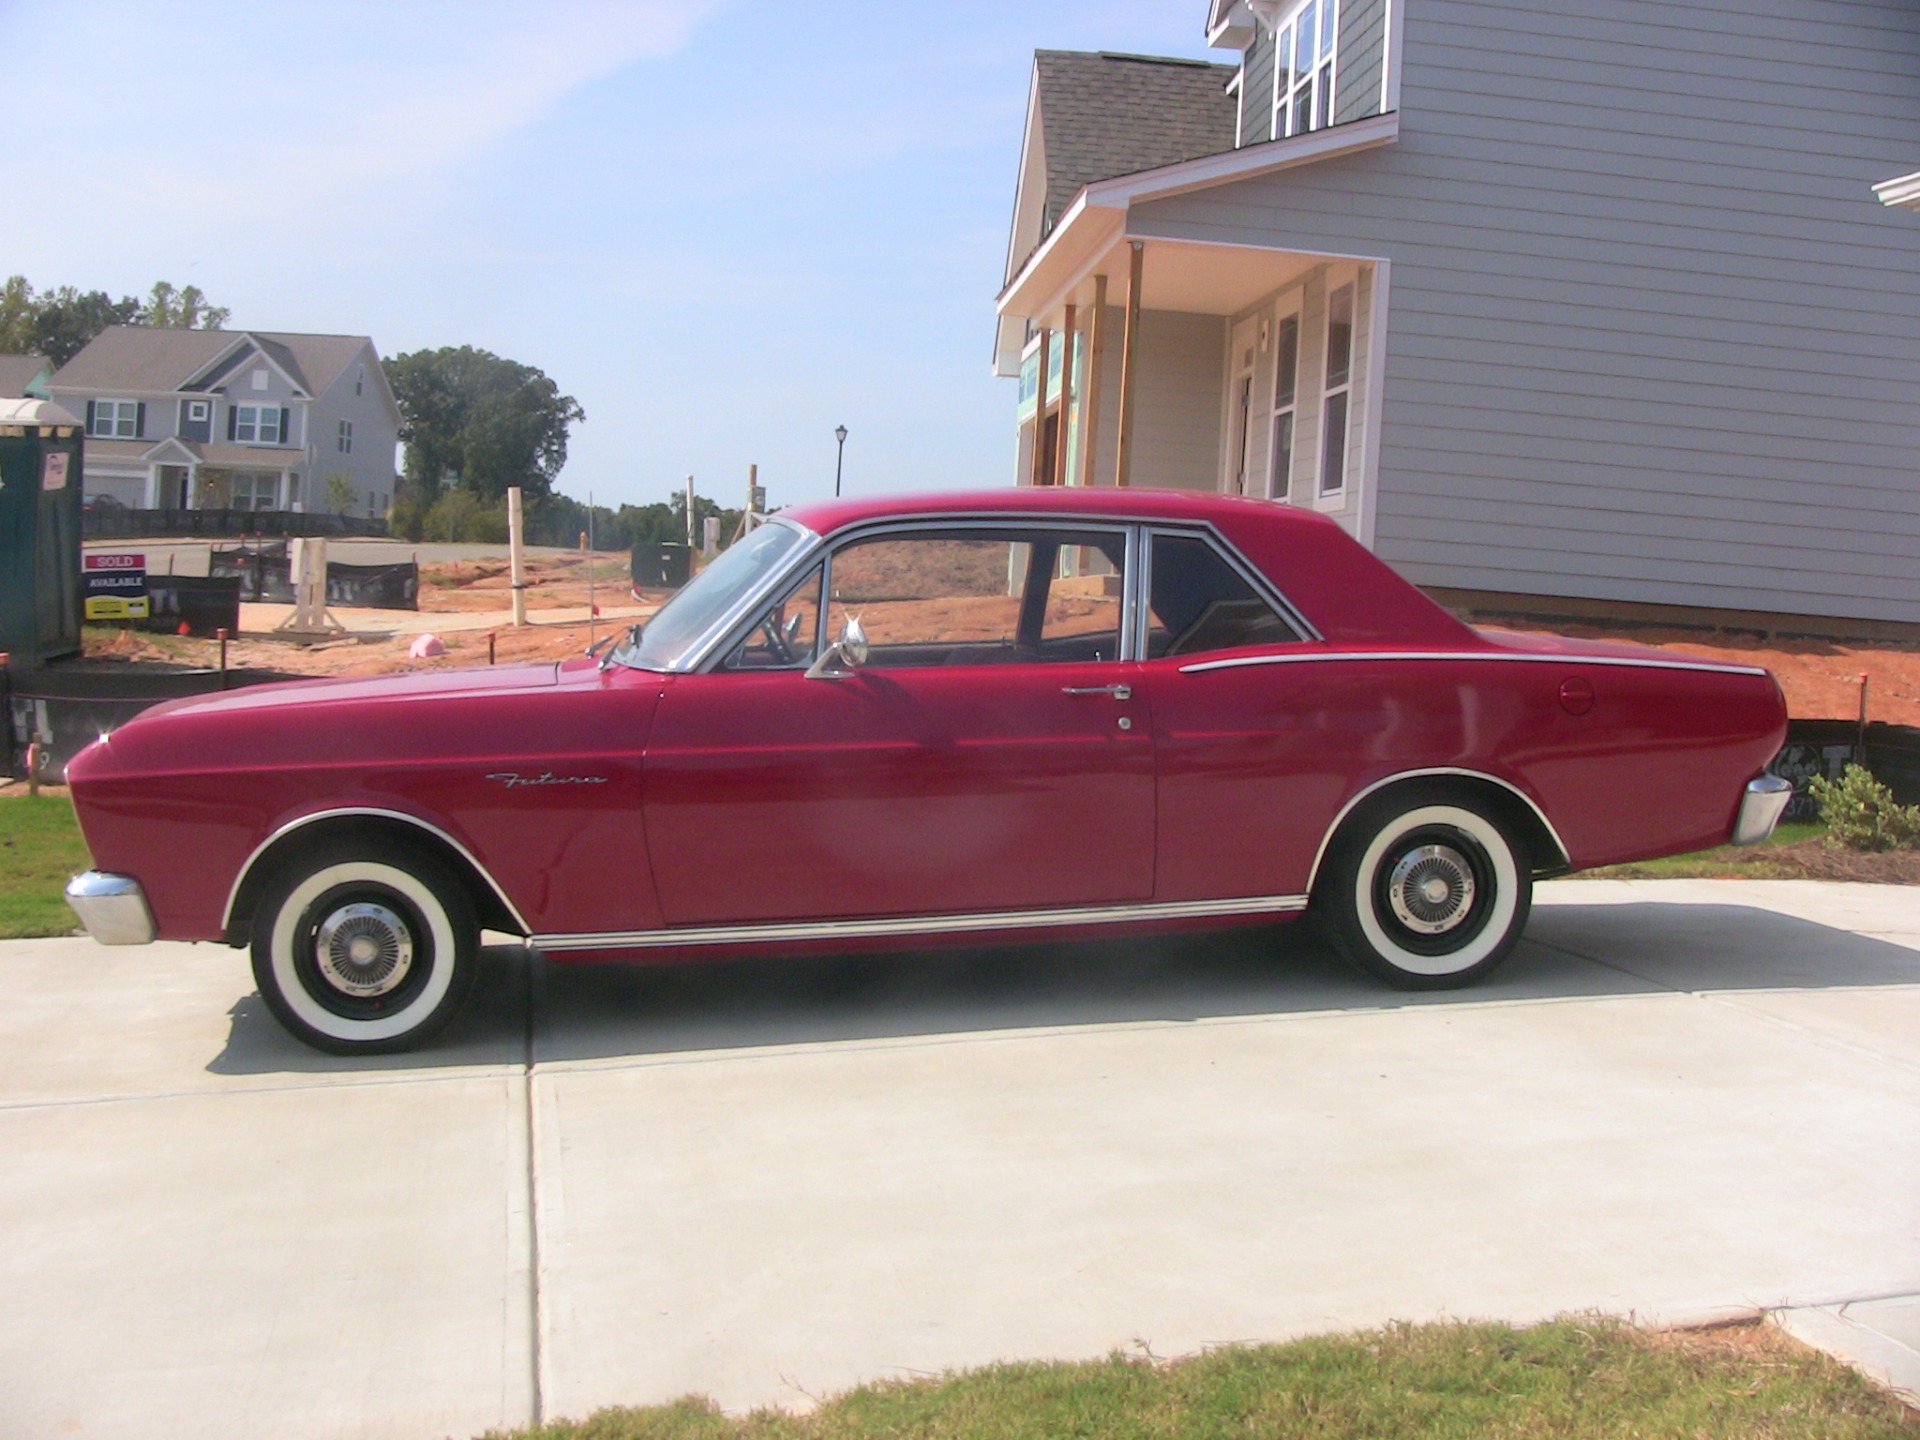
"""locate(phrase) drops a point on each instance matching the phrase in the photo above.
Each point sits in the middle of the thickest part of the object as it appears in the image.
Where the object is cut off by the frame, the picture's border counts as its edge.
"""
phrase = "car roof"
(1349, 594)
(825, 517)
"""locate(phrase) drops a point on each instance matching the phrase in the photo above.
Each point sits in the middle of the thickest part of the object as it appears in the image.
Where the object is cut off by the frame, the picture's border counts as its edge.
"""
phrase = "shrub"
(1861, 813)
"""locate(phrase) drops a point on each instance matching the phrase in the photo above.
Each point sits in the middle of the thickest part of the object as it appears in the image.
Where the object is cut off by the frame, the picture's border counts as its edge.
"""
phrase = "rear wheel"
(1425, 889)
(364, 950)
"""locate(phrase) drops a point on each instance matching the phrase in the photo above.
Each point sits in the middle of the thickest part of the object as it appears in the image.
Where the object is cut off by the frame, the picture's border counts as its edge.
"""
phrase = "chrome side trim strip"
(233, 895)
(1347, 809)
(923, 924)
(1326, 657)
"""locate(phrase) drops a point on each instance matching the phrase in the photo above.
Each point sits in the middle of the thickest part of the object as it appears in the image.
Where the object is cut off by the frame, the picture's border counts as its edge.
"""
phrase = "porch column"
(1096, 377)
(1037, 473)
(1129, 362)
(1060, 431)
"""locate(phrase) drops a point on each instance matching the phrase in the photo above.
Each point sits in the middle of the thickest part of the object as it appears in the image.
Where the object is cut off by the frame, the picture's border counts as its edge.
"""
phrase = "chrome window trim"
(1133, 593)
(992, 521)
(1503, 657)
(1451, 772)
(705, 651)
(922, 924)
(233, 895)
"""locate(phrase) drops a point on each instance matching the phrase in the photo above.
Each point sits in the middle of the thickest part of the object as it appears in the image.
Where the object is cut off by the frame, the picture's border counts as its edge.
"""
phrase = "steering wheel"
(780, 638)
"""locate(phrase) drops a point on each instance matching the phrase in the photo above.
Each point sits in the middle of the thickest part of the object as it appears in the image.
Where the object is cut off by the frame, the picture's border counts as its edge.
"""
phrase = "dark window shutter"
(284, 432)
(233, 414)
(140, 421)
(90, 417)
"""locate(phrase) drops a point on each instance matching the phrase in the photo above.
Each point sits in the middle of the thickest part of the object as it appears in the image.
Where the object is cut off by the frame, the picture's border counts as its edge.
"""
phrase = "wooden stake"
(1129, 364)
(517, 554)
(1096, 377)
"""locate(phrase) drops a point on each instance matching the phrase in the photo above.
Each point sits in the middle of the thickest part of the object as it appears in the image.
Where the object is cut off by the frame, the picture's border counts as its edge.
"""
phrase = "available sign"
(115, 587)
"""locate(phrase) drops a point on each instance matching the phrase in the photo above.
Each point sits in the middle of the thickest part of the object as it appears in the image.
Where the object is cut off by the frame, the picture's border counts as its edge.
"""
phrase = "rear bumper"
(112, 907)
(1760, 809)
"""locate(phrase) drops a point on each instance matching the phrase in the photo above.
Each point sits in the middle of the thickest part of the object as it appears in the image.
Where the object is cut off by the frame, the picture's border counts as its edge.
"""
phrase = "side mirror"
(844, 657)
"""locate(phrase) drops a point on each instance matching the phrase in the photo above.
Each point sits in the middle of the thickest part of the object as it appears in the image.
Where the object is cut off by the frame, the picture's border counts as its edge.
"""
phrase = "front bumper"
(1761, 808)
(112, 907)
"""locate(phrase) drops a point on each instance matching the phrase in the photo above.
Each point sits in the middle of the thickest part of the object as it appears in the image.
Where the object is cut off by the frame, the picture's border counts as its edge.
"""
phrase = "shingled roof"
(145, 358)
(1103, 115)
(17, 372)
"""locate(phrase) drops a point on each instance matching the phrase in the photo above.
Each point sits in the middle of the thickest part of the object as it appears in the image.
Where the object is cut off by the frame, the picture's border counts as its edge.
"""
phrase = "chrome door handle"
(1118, 692)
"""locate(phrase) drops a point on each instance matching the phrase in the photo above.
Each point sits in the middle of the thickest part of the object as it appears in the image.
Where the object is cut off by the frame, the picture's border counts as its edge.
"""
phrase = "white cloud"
(278, 116)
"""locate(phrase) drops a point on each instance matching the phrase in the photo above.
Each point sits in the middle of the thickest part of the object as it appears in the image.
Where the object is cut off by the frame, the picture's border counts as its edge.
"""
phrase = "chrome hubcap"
(1431, 889)
(364, 949)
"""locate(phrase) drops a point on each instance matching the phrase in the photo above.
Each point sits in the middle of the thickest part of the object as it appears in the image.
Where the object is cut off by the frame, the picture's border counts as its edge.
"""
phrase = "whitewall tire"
(364, 950)
(1426, 891)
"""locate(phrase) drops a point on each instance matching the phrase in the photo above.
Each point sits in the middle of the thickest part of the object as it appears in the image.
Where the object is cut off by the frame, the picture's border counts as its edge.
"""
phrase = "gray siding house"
(1559, 306)
(232, 419)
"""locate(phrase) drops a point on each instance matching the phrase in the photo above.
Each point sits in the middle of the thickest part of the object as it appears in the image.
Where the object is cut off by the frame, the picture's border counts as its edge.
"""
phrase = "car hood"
(475, 683)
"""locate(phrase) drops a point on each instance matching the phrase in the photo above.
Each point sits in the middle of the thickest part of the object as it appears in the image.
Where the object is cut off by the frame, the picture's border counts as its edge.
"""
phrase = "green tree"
(185, 309)
(59, 323)
(493, 422)
(340, 493)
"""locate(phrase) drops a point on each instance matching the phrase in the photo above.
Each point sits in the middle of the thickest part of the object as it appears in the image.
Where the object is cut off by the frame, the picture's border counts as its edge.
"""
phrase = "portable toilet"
(39, 530)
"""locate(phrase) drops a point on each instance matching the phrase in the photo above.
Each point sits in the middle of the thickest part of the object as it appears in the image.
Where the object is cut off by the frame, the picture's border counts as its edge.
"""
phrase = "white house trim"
(1903, 191)
(1073, 248)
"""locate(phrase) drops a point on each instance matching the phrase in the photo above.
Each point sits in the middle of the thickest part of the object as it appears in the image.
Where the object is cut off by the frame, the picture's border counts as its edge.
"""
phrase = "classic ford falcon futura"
(1004, 717)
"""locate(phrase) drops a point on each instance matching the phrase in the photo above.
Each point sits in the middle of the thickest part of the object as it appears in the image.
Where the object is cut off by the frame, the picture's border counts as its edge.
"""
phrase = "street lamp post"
(840, 434)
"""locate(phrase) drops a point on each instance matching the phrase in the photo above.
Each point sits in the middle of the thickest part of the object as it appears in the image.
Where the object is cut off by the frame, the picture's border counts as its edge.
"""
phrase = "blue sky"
(723, 227)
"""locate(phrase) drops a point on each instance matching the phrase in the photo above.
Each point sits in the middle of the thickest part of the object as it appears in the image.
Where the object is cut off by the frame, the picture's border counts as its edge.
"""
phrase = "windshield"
(667, 639)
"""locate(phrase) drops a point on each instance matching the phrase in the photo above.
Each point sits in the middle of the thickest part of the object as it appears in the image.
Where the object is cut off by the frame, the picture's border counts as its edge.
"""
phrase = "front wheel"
(1427, 892)
(363, 950)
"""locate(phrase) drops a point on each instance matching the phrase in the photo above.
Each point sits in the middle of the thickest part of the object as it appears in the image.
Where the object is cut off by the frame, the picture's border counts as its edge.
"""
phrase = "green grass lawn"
(40, 850)
(1758, 862)
(1569, 1379)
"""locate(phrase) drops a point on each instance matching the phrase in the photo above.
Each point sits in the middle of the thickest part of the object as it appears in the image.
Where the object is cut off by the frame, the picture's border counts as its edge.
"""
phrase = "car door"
(994, 752)
(1253, 759)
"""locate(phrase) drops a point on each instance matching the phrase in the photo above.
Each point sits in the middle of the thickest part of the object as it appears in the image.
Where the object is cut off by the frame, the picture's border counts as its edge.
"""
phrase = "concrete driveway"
(766, 1181)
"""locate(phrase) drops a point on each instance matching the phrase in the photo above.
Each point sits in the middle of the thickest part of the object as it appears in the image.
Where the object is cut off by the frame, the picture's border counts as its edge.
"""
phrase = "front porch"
(178, 475)
(1189, 366)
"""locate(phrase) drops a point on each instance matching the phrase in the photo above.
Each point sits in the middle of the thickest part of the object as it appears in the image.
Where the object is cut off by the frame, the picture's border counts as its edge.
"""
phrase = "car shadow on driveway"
(586, 1011)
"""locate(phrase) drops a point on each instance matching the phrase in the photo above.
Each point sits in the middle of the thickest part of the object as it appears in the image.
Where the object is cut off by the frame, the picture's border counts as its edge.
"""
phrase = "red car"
(1015, 716)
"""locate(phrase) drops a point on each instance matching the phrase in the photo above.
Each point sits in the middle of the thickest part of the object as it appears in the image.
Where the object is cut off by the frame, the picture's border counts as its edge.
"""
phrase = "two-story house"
(1558, 306)
(233, 420)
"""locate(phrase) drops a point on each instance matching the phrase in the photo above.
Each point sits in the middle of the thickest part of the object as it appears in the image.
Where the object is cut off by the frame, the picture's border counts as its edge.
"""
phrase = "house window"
(197, 410)
(1286, 395)
(257, 424)
(359, 380)
(345, 440)
(116, 419)
(1339, 391)
(1303, 68)
(256, 491)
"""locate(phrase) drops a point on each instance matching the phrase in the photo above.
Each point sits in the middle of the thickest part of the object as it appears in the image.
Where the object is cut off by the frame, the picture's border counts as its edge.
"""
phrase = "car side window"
(1199, 602)
(959, 598)
(787, 636)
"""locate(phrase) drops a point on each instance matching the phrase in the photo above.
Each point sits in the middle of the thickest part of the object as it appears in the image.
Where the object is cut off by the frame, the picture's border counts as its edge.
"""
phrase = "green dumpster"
(39, 531)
